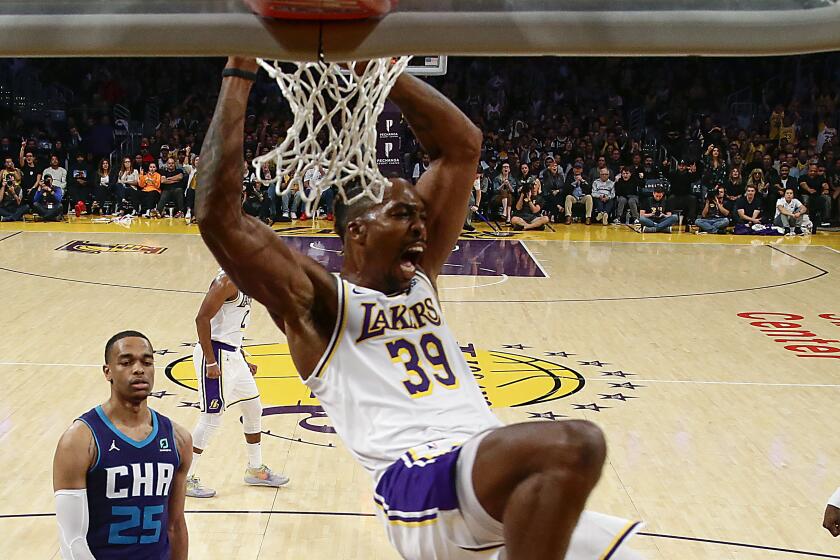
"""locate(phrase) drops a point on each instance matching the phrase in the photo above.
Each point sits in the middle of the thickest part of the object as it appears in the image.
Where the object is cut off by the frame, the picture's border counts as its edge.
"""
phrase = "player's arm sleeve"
(834, 500)
(71, 511)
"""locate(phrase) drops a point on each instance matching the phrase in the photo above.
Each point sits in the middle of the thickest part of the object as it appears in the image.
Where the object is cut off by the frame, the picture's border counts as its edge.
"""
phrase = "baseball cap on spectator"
(164, 147)
(578, 164)
(682, 162)
(784, 165)
(144, 144)
(549, 159)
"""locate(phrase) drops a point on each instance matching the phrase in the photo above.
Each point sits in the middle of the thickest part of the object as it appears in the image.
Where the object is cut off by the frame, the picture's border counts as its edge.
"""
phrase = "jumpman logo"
(114, 446)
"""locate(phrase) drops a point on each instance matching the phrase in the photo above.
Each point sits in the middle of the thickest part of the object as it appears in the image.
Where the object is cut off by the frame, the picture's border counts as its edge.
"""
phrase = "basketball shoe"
(196, 490)
(263, 476)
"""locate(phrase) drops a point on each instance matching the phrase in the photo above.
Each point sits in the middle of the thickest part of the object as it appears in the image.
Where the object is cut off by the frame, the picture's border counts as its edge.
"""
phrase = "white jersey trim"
(338, 331)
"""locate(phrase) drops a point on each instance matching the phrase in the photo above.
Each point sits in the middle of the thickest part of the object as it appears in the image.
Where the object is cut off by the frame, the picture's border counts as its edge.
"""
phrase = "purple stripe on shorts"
(213, 398)
(420, 519)
(420, 488)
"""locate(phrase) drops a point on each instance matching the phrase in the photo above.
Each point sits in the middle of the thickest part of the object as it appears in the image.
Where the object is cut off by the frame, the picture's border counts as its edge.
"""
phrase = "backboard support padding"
(527, 33)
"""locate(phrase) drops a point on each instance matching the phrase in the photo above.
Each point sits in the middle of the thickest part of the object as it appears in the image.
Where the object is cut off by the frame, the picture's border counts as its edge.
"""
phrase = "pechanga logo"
(506, 380)
(97, 248)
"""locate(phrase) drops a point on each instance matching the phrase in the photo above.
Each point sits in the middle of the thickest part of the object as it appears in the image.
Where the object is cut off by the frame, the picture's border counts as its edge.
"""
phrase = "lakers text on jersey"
(393, 377)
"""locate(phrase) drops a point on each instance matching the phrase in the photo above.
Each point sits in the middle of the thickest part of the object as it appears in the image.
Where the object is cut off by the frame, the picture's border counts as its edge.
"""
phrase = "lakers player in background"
(120, 469)
(225, 379)
(450, 481)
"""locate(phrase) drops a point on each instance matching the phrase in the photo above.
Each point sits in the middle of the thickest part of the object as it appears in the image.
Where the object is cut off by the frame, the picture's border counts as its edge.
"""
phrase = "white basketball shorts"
(234, 386)
(430, 511)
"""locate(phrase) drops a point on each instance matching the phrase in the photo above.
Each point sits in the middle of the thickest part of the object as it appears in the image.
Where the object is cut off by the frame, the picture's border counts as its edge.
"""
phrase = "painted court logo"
(508, 379)
(92, 248)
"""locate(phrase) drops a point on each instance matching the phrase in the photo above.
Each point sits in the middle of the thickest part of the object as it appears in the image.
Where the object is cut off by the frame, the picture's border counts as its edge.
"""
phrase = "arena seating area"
(732, 121)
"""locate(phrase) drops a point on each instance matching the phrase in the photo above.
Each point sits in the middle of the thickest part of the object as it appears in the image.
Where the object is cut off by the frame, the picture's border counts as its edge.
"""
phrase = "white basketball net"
(334, 128)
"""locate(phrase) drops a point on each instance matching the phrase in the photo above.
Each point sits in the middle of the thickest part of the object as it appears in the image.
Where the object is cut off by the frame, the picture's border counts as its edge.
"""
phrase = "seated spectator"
(12, 203)
(627, 189)
(129, 184)
(790, 214)
(825, 195)
(715, 169)
(812, 187)
(770, 173)
(577, 191)
(10, 176)
(189, 192)
(834, 182)
(682, 194)
(756, 179)
(79, 185)
(595, 173)
(47, 201)
(256, 200)
(149, 191)
(603, 194)
(734, 185)
(420, 167)
(58, 173)
(475, 200)
(30, 174)
(503, 188)
(552, 186)
(656, 215)
(748, 211)
(528, 207)
(172, 188)
(109, 192)
(714, 217)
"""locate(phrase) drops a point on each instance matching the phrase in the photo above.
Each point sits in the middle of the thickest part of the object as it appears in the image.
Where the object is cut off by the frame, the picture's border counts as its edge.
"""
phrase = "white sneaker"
(293, 215)
(263, 476)
(196, 490)
(188, 216)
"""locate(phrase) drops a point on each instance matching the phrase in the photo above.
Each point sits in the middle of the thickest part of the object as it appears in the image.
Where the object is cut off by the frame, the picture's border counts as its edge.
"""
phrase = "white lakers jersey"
(228, 324)
(393, 377)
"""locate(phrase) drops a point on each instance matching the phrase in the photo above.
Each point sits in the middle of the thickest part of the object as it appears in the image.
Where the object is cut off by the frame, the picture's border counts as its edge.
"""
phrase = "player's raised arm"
(454, 146)
(177, 525)
(249, 251)
(75, 453)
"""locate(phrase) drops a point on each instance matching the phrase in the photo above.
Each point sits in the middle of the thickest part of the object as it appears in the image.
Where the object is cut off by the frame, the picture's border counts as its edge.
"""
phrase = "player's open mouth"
(411, 258)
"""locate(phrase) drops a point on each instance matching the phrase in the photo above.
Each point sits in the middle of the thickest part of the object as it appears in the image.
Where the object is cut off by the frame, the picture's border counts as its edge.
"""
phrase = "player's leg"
(241, 389)
(205, 429)
(209, 421)
(535, 479)
(257, 473)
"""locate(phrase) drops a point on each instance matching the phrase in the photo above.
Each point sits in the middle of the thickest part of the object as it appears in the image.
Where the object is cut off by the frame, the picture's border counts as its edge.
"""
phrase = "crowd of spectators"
(713, 143)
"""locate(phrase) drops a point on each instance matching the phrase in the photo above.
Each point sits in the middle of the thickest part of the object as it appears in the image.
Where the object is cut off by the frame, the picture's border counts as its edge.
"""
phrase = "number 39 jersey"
(393, 377)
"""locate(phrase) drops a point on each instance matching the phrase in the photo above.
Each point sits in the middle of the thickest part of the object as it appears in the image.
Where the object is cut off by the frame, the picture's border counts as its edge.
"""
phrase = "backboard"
(453, 27)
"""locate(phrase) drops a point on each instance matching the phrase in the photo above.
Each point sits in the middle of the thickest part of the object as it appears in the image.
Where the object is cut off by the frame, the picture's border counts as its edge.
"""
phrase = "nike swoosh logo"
(355, 291)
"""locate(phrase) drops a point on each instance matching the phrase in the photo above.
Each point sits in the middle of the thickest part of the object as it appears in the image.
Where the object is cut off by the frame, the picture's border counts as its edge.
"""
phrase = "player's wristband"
(834, 500)
(239, 73)
(211, 365)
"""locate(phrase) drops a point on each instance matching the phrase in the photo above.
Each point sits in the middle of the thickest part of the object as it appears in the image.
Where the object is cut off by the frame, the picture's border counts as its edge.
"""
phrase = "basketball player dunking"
(451, 482)
(120, 469)
(225, 379)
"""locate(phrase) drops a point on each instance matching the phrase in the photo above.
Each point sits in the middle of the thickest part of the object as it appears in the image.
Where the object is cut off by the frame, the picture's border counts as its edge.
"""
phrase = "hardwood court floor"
(717, 433)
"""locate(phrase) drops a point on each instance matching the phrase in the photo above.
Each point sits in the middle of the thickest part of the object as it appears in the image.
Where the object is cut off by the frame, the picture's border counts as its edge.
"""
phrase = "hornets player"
(451, 482)
(225, 378)
(120, 470)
